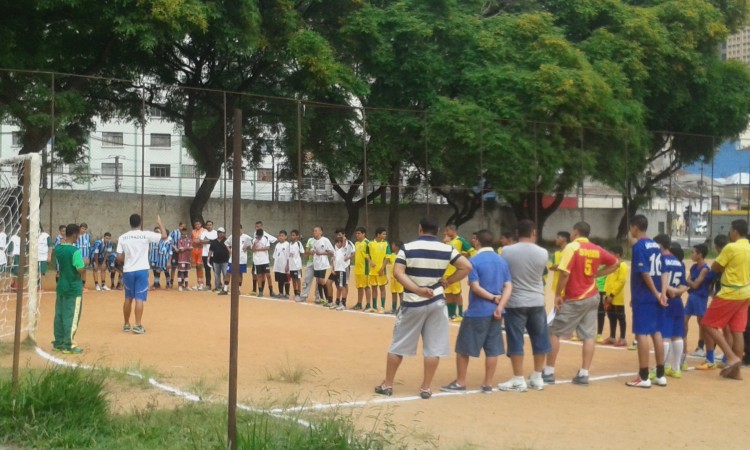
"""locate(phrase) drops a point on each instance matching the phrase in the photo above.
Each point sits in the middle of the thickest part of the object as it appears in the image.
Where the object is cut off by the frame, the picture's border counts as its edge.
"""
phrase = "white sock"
(536, 375)
(677, 347)
(549, 370)
(583, 373)
(516, 379)
(666, 353)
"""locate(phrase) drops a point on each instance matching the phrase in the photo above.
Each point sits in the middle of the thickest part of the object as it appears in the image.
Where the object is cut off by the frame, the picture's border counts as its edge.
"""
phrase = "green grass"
(68, 408)
(290, 372)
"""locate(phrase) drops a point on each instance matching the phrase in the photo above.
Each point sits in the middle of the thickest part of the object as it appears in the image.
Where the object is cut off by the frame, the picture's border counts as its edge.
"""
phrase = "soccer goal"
(19, 243)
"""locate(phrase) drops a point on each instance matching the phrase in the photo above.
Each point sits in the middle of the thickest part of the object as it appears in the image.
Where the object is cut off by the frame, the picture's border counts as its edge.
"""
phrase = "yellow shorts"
(362, 281)
(454, 288)
(396, 287)
(378, 280)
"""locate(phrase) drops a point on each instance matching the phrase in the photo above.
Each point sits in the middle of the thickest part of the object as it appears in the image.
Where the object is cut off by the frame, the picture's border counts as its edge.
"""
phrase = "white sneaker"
(98, 288)
(180, 289)
(699, 353)
(105, 288)
(514, 386)
(662, 382)
(637, 382)
(536, 384)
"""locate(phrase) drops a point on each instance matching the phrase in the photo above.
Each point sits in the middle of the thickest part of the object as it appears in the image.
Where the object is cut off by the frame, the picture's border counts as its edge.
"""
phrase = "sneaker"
(98, 288)
(706, 366)
(513, 386)
(384, 390)
(340, 308)
(371, 310)
(536, 384)
(425, 394)
(675, 373)
(253, 293)
(633, 346)
(105, 288)
(381, 311)
(581, 380)
(637, 382)
(683, 367)
(300, 299)
(699, 353)
(126, 328)
(180, 289)
(486, 389)
(357, 307)
(620, 343)
(575, 339)
(223, 292)
(286, 297)
(548, 378)
(453, 387)
(660, 381)
(599, 339)
(260, 295)
(607, 341)
(138, 329)
(72, 351)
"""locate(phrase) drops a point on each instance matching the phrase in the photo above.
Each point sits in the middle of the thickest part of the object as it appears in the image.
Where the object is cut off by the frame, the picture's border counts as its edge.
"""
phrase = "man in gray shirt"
(525, 310)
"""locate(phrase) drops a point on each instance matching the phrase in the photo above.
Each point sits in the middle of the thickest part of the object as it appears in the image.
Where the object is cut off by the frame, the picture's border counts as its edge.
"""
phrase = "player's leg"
(270, 283)
(383, 284)
(612, 319)
(208, 271)
(58, 328)
(372, 304)
(95, 273)
(71, 307)
(600, 315)
(126, 312)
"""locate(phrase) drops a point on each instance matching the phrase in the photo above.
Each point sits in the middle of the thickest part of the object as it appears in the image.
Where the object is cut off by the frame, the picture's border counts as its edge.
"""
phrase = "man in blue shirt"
(481, 329)
(648, 298)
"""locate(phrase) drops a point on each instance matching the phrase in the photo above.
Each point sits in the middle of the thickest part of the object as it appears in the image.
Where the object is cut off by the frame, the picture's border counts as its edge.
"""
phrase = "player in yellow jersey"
(379, 251)
(562, 239)
(506, 238)
(362, 267)
(453, 297)
(397, 289)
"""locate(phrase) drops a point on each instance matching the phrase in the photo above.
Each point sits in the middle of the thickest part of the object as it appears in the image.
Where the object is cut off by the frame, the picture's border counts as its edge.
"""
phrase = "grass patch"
(203, 387)
(291, 372)
(68, 408)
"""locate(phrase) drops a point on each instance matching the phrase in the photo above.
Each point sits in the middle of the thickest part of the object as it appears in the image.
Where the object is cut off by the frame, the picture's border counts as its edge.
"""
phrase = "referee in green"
(69, 292)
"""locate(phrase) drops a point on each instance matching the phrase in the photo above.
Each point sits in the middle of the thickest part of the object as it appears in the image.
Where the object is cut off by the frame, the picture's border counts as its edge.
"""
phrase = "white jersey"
(245, 243)
(321, 262)
(134, 245)
(3, 247)
(281, 257)
(341, 258)
(260, 257)
(16, 241)
(210, 235)
(296, 250)
(43, 249)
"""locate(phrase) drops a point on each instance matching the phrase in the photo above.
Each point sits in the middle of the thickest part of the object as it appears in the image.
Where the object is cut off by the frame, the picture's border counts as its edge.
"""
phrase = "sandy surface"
(341, 356)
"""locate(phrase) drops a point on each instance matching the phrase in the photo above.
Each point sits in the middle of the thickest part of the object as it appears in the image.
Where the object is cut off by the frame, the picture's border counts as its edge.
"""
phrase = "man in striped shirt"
(420, 266)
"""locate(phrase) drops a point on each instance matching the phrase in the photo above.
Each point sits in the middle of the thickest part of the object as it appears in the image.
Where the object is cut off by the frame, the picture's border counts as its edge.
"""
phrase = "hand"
(663, 300)
(558, 302)
(382, 271)
(425, 292)
(444, 282)
(498, 313)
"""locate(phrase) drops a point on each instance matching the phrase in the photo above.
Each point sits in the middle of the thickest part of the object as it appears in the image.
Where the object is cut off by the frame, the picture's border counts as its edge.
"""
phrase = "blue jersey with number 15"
(647, 258)
(676, 270)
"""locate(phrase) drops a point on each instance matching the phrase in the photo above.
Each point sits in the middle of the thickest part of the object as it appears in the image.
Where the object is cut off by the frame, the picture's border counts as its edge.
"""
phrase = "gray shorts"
(480, 333)
(577, 315)
(430, 322)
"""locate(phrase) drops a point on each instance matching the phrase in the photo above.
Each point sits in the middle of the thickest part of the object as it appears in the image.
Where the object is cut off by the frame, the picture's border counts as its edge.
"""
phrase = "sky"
(729, 160)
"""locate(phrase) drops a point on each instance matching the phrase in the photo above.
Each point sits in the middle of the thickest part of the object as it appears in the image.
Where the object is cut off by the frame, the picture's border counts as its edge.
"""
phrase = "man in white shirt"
(132, 253)
(261, 261)
(245, 243)
(281, 265)
(208, 235)
(267, 275)
(44, 253)
(322, 250)
(296, 250)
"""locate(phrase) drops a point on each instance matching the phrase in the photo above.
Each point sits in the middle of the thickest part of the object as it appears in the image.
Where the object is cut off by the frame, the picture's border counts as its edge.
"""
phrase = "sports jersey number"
(674, 278)
(587, 269)
(655, 265)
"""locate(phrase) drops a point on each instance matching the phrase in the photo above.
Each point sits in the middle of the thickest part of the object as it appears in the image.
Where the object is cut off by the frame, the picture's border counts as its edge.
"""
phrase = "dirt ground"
(340, 357)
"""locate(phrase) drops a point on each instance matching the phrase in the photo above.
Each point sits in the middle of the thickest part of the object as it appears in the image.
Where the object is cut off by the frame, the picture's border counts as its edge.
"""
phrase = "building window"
(161, 140)
(230, 174)
(111, 169)
(16, 136)
(314, 182)
(155, 112)
(189, 171)
(265, 175)
(110, 139)
(59, 169)
(160, 171)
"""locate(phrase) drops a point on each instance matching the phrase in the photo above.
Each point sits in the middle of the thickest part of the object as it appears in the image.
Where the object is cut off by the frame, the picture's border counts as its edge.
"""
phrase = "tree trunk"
(630, 210)
(530, 207)
(204, 192)
(465, 203)
(352, 207)
(394, 217)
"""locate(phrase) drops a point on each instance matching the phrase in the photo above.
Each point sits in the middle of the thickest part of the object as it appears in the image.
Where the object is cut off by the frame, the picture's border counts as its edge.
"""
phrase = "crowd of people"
(424, 278)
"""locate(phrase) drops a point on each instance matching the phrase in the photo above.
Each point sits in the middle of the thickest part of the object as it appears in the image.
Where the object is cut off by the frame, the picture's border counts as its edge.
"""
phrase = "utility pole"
(117, 174)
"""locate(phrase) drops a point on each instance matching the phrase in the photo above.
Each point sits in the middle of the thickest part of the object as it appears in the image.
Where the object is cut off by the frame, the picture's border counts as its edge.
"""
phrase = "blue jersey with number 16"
(647, 258)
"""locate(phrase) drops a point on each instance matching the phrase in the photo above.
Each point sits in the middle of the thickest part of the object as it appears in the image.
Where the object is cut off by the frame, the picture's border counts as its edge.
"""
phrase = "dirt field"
(341, 356)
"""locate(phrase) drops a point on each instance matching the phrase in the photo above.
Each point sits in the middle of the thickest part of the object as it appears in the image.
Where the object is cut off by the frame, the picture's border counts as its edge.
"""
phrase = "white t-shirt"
(296, 250)
(43, 250)
(134, 245)
(340, 261)
(16, 241)
(260, 257)
(3, 247)
(321, 262)
(245, 243)
(281, 257)
(210, 235)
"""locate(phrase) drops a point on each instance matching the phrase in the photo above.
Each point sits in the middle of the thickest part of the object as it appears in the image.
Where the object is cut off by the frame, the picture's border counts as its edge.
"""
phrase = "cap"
(221, 230)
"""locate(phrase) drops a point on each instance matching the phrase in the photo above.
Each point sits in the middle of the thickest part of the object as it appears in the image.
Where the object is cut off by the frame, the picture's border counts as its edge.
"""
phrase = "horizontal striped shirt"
(426, 260)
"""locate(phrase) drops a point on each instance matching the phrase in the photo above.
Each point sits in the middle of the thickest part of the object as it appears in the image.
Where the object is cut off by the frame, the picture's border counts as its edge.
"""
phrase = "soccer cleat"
(456, 319)
(660, 381)
(599, 339)
(683, 367)
(575, 339)
(675, 374)
(486, 389)
(535, 383)
(425, 394)
(72, 351)
(138, 329)
(513, 386)
(699, 353)
(548, 378)
(706, 366)
(581, 380)
(637, 382)
(126, 328)
(384, 390)
(253, 293)
(453, 387)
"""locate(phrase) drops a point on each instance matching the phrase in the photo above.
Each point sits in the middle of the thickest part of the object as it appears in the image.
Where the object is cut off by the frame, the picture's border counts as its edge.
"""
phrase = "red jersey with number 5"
(581, 260)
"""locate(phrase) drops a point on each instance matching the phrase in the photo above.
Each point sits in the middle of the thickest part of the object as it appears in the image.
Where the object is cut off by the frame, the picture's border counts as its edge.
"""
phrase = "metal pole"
(426, 164)
(364, 160)
(234, 309)
(299, 165)
(224, 174)
(482, 180)
(711, 203)
(20, 275)
(117, 174)
(51, 156)
(583, 193)
(143, 149)
(536, 178)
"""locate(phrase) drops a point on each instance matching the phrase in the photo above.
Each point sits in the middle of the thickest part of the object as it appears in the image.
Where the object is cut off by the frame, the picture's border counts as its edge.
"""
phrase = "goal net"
(13, 241)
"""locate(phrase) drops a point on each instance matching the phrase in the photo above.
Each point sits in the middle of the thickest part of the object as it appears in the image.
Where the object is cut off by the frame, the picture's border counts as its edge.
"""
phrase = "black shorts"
(260, 269)
(294, 274)
(320, 273)
(281, 277)
(174, 259)
(340, 279)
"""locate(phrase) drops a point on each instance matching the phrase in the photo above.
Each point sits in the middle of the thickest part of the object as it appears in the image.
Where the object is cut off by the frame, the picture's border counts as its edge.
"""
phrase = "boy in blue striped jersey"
(159, 257)
(99, 252)
(83, 243)
(174, 238)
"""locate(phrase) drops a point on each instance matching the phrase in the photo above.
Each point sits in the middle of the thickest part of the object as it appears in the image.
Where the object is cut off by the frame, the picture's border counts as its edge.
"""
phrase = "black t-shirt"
(219, 250)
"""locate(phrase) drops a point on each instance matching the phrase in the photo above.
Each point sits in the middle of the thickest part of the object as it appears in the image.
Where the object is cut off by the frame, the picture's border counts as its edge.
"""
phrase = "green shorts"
(43, 267)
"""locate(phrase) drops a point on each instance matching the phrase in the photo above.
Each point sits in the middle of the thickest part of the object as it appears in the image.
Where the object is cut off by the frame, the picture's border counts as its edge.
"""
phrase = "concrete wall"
(108, 211)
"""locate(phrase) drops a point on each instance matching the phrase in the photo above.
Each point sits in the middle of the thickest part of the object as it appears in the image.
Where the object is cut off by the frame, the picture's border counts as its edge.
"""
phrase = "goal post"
(14, 243)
